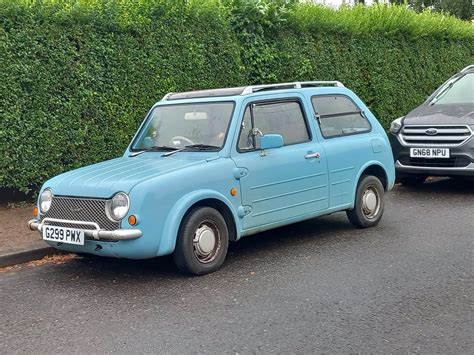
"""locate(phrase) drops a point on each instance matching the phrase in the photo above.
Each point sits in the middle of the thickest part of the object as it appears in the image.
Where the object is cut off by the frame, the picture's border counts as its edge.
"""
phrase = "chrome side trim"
(97, 234)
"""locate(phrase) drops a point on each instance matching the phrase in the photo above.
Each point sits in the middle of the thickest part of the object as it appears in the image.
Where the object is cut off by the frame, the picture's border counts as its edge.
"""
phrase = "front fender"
(179, 209)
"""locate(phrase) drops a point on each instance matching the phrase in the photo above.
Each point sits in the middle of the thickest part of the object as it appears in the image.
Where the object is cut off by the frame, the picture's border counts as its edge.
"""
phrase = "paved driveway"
(317, 286)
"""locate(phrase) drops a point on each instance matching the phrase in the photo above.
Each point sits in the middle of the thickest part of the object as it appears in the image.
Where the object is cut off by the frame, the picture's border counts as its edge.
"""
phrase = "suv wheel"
(202, 242)
(369, 203)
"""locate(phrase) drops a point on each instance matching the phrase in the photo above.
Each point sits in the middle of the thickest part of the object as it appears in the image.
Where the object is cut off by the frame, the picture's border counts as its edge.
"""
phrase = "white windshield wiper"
(193, 147)
(154, 148)
(172, 152)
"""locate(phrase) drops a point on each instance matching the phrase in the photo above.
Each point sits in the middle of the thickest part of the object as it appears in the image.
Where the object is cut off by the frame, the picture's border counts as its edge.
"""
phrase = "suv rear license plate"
(63, 235)
(429, 153)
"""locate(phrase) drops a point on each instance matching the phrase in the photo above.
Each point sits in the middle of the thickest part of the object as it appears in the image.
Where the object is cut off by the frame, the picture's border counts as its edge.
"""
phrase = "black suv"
(436, 138)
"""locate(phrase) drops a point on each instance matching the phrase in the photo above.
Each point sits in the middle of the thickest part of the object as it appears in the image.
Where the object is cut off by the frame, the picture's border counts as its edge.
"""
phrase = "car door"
(280, 184)
(344, 129)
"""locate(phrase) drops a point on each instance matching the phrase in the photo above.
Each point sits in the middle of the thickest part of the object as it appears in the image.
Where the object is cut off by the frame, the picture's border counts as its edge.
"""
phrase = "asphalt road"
(318, 286)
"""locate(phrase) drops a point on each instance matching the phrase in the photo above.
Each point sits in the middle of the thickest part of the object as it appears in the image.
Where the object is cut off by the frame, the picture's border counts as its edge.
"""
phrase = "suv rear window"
(338, 116)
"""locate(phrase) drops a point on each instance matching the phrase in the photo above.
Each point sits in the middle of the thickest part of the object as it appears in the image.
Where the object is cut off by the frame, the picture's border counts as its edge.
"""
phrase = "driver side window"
(285, 118)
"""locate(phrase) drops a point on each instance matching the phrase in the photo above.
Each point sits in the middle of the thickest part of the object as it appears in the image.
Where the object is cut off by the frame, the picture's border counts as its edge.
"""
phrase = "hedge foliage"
(79, 76)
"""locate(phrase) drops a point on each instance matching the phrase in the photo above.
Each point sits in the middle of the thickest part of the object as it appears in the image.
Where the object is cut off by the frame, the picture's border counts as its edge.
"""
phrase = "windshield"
(178, 126)
(461, 91)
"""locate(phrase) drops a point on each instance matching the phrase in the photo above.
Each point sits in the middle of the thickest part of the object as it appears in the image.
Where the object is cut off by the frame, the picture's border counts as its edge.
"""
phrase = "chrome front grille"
(441, 136)
(80, 209)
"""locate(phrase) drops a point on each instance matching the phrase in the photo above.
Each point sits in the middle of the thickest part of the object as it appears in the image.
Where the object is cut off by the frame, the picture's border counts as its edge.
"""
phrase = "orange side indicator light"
(132, 220)
(233, 191)
(35, 211)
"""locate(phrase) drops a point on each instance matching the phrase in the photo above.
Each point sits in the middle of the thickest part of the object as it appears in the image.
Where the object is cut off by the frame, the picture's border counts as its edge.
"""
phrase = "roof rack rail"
(295, 85)
(167, 96)
(247, 90)
(202, 93)
(469, 67)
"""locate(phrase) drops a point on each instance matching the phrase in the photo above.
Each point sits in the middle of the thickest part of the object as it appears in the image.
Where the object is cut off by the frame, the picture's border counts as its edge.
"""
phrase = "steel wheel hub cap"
(205, 241)
(370, 202)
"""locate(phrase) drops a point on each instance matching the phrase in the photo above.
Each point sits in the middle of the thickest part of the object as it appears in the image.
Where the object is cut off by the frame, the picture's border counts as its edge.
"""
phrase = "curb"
(25, 256)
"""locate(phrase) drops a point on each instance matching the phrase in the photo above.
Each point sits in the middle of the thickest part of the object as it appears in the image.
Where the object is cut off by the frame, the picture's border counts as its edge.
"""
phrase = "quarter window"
(339, 116)
(284, 118)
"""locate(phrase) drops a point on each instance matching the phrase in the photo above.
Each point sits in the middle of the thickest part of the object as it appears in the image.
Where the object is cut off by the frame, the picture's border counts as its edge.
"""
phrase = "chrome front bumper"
(95, 234)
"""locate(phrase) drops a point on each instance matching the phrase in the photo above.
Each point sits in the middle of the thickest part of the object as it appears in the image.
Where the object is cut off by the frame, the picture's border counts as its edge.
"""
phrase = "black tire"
(412, 180)
(195, 253)
(364, 214)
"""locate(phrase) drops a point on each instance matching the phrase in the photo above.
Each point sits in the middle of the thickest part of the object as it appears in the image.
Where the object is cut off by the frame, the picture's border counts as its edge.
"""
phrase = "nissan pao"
(209, 167)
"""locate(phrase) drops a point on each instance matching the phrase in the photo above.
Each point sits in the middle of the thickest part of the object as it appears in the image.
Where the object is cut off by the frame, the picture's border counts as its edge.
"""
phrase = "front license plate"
(63, 235)
(429, 153)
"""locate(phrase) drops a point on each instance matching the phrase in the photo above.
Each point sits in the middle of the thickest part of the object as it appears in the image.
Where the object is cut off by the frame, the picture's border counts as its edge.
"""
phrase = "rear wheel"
(369, 203)
(202, 242)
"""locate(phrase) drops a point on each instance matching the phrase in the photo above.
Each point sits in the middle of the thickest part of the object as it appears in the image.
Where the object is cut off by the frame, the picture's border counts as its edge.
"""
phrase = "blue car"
(209, 167)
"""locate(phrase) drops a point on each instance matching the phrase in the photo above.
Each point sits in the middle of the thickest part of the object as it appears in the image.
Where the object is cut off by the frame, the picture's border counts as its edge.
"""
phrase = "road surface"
(318, 286)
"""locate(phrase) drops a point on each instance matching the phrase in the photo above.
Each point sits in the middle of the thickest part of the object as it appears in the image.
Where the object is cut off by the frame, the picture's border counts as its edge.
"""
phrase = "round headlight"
(45, 200)
(119, 205)
(396, 125)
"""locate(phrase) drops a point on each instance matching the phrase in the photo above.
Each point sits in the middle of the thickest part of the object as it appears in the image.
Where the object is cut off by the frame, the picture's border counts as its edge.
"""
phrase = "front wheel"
(202, 242)
(369, 203)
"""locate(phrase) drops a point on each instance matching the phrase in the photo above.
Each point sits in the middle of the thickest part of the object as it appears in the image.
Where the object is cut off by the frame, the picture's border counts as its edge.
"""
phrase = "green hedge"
(79, 76)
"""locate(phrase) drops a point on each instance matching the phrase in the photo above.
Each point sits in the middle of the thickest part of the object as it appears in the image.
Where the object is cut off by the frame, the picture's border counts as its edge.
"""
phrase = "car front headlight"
(118, 206)
(45, 200)
(396, 125)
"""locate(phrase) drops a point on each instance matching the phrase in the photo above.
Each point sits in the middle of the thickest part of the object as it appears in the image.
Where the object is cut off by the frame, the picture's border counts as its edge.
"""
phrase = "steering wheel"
(181, 139)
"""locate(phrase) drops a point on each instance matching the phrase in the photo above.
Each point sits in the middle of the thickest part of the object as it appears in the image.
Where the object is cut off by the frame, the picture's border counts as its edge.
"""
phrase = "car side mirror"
(269, 141)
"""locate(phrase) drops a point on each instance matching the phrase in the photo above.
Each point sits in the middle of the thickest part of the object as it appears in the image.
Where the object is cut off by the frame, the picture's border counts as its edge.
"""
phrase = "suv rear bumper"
(460, 163)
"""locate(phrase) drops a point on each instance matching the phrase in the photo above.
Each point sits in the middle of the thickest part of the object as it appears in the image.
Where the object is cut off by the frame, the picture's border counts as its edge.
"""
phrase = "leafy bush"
(78, 76)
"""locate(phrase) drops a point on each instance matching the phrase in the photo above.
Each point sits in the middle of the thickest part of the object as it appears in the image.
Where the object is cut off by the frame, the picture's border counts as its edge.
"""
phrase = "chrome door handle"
(312, 155)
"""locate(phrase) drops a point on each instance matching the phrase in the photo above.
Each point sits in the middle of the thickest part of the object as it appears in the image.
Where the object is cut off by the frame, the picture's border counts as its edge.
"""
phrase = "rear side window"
(339, 116)
(285, 118)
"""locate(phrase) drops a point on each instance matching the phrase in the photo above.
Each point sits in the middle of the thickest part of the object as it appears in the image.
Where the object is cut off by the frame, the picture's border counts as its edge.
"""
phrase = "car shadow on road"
(275, 245)
(440, 185)
(279, 243)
